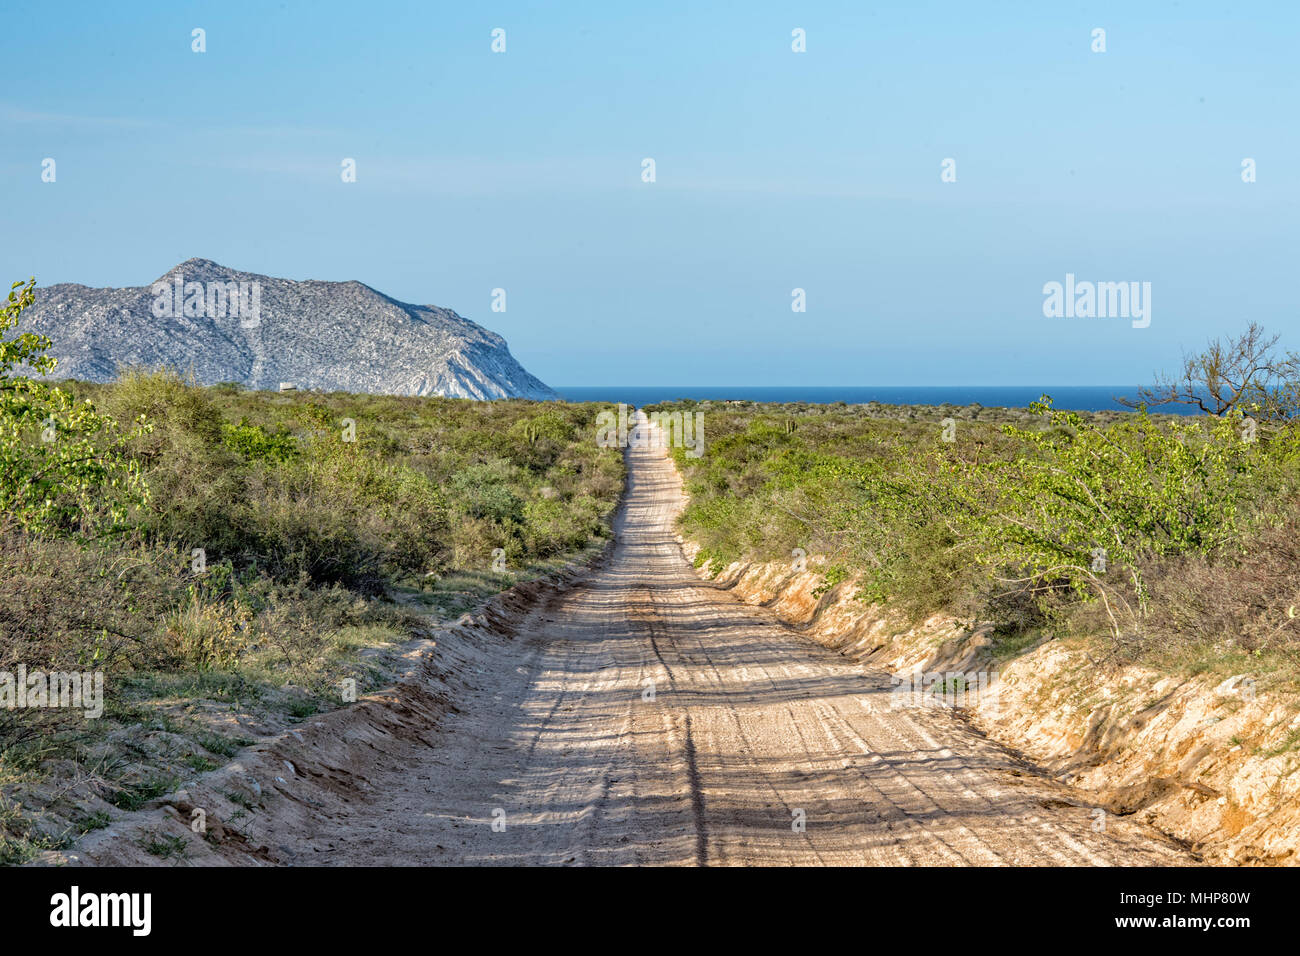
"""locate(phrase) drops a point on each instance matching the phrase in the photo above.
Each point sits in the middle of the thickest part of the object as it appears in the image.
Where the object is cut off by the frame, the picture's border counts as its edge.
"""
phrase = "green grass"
(165, 846)
(94, 821)
(221, 745)
(199, 763)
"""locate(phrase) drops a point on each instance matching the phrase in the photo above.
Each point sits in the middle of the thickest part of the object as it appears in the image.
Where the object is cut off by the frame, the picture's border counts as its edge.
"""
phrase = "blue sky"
(775, 170)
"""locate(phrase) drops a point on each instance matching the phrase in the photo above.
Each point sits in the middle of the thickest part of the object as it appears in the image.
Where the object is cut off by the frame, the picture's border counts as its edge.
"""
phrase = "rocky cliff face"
(230, 326)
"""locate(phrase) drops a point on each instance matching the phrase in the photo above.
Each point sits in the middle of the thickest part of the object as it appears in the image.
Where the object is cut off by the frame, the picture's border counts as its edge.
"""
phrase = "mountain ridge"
(229, 325)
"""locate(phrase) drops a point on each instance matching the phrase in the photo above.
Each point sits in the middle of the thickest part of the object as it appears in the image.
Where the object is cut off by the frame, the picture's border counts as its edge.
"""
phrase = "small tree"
(1246, 373)
(62, 464)
(1129, 492)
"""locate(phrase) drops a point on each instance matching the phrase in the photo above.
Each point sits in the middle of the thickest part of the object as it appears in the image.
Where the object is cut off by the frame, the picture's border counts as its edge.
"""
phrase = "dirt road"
(648, 717)
(639, 716)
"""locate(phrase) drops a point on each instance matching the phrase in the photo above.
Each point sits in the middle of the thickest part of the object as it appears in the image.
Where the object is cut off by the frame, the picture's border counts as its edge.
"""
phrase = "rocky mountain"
(231, 326)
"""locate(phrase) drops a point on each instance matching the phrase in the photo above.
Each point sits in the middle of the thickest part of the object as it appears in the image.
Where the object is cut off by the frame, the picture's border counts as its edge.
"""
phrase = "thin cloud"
(12, 114)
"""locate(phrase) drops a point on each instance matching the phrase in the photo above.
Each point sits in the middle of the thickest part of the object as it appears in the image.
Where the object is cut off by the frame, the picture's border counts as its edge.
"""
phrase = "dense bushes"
(295, 491)
(360, 490)
(1030, 520)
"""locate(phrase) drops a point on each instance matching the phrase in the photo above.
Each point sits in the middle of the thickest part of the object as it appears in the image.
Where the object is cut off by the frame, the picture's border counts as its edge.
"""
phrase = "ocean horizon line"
(1091, 398)
(921, 385)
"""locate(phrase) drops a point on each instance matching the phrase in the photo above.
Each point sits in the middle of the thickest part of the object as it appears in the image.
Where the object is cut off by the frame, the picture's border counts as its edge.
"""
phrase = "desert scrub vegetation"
(1160, 538)
(226, 558)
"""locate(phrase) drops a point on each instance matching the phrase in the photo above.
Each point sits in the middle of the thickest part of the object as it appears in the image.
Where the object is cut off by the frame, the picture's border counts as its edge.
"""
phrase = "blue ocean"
(1084, 398)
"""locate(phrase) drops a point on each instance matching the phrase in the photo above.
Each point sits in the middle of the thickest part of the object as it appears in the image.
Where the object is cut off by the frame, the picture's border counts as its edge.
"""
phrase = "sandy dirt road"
(560, 754)
(634, 715)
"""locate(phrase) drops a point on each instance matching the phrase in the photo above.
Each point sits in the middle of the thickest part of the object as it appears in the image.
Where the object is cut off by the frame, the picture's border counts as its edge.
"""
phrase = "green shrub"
(62, 466)
(1027, 517)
